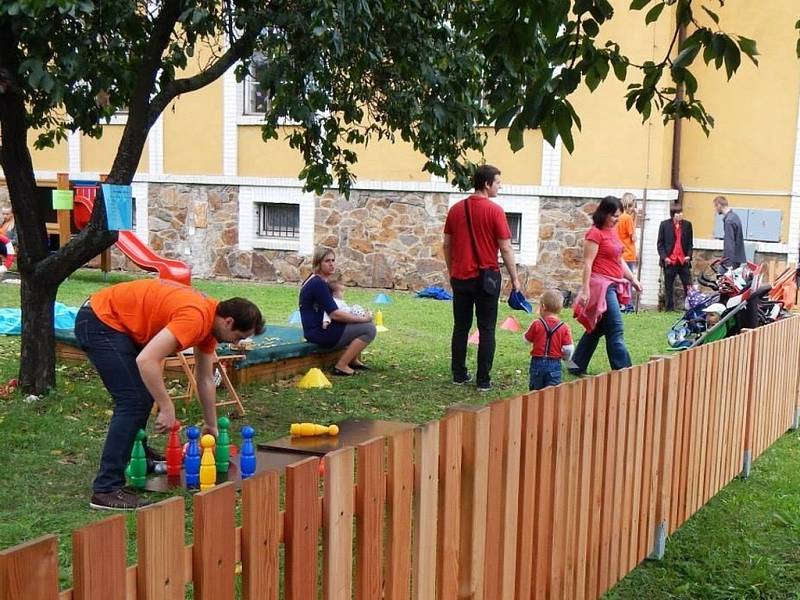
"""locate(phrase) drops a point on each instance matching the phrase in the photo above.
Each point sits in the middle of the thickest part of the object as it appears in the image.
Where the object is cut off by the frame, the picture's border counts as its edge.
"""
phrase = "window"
(274, 220)
(515, 225)
(256, 100)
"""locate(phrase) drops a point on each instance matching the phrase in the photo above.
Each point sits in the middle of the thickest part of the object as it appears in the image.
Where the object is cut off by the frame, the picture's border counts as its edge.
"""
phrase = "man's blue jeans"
(544, 372)
(468, 294)
(609, 326)
(114, 356)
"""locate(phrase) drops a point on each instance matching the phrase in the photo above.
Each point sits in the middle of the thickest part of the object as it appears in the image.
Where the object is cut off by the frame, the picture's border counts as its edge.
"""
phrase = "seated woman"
(346, 330)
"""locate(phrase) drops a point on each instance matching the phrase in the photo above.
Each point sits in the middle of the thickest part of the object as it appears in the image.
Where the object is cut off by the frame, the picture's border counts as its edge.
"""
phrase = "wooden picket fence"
(555, 494)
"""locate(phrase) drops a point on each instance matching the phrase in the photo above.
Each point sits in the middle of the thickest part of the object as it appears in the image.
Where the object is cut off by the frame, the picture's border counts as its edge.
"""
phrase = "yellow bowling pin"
(208, 466)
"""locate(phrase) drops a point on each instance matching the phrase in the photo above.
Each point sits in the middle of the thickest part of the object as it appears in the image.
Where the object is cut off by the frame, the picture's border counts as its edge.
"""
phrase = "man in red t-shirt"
(474, 231)
(127, 330)
(675, 245)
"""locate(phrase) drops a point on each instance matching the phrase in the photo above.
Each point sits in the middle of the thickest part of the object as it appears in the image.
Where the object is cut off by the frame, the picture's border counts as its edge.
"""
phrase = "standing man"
(675, 246)
(474, 231)
(128, 330)
(733, 238)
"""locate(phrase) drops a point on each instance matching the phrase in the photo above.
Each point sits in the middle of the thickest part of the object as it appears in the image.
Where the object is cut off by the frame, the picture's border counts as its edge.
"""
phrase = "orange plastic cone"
(511, 324)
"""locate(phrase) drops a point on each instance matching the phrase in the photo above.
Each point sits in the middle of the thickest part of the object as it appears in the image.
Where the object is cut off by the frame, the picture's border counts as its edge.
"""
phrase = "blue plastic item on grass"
(11, 319)
(435, 292)
(294, 319)
(382, 299)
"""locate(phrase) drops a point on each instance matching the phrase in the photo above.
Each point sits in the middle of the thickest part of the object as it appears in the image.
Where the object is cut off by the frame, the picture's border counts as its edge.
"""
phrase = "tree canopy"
(347, 71)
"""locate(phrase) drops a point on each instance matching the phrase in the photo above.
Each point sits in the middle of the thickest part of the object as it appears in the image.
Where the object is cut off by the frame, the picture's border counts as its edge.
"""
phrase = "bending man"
(127, 330)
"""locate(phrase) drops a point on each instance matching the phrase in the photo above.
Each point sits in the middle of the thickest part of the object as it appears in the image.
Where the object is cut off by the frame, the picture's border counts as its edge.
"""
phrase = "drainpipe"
(675, 179)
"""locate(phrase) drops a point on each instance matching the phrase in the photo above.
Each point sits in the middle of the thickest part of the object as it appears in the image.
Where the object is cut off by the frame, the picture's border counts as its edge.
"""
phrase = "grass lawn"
(743, 544)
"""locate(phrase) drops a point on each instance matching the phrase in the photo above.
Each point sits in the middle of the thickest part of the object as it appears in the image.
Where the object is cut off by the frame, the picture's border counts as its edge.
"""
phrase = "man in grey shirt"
(733, 238)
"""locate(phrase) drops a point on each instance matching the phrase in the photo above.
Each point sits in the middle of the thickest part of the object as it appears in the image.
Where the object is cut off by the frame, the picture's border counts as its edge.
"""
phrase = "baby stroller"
(692, 323)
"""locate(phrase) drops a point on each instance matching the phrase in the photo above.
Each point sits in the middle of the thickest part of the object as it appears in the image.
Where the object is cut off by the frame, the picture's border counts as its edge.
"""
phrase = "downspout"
(675, 177)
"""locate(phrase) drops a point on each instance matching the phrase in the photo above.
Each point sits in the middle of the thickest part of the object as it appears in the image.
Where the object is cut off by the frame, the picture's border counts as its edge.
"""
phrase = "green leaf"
(685, 57)
(748, 46)
(733, 59)
(639, 4)
(711, 14)
(590, 27)
(515, 136)
(653, 14)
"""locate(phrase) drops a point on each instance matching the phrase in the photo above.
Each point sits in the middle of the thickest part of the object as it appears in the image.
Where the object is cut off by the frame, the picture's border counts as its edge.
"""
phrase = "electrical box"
(758, 224)
(763, 225)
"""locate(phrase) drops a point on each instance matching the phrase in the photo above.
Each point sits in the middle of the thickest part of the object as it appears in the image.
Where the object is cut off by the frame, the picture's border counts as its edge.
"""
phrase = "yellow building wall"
(752, 144)
(49, 159)
(521, 168)
(698, 208)
(614, 148)
(274, 158)
(97, 155)
(193, 133)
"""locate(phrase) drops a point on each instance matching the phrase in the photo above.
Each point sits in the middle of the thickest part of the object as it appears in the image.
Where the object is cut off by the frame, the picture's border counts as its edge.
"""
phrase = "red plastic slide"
(130, 245)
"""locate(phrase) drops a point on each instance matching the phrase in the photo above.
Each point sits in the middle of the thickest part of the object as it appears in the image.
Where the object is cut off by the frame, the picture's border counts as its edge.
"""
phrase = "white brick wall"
(230, 135)
(551, 164)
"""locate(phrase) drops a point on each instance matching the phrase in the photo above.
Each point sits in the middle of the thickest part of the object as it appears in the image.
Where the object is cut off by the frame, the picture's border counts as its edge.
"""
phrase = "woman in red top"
(604, 289)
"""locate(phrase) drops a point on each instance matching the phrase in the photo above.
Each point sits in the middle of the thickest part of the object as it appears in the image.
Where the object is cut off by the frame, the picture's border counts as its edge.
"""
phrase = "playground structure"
(554, 494)
(131, 246)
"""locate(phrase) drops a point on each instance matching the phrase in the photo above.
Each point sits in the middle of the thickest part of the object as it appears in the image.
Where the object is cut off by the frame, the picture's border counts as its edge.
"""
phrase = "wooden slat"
(160, 562)
(30, 571)
(669, 400)
(370, 500)
(301, 529)
(472, 529)
(511, 480)
(503, 486)
(572, 516)
(713, 412)
(681, 439)
(544, 515)
(620, 468)
(261, 533)
(560, 478)
(609, 477)
(528, 501)
(628, 521)
(214, 543)
(749, 426)
(586, 409)
(337, 524)
(498, 414)
(399, 492)
(658, 371)
(449, 506)
(98, 560)
(426, 489)
(596, 494)
(640, 401)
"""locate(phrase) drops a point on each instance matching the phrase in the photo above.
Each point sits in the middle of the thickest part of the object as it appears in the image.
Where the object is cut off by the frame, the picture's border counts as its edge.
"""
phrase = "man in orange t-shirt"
(127, 330)
(626, 232)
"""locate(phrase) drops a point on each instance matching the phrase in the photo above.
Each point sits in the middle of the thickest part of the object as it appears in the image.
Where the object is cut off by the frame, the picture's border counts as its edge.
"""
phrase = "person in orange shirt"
(127, 330)
(626, 232)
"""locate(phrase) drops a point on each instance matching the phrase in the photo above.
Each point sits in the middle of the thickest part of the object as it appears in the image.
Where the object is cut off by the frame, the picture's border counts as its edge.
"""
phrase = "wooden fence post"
(30, 570)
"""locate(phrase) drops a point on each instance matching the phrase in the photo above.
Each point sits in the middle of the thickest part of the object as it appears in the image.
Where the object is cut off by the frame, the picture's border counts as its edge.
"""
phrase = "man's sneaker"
(484, 387)
(120, 499)
(462, 380)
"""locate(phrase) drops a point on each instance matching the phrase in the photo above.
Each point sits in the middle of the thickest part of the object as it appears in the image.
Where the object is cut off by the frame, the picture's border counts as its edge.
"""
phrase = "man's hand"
(667, 262)
(166, 418)
(212, 430)
(637, 285)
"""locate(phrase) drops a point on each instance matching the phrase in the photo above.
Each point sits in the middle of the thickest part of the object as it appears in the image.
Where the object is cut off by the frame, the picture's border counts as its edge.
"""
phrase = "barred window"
(515, 225)
(275, 220)
(256, 101)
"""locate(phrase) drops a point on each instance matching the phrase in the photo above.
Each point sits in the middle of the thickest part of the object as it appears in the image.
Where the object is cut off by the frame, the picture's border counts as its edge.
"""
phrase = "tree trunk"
(37, 356)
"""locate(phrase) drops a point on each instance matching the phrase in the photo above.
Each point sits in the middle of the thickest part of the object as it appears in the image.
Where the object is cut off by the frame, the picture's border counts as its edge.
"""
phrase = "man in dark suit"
(675, 245)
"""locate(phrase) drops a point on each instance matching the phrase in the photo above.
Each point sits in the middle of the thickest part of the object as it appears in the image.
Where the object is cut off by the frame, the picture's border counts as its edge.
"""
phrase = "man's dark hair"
(484, 176)
(608, 206)
(674, 211)
(245, 314)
